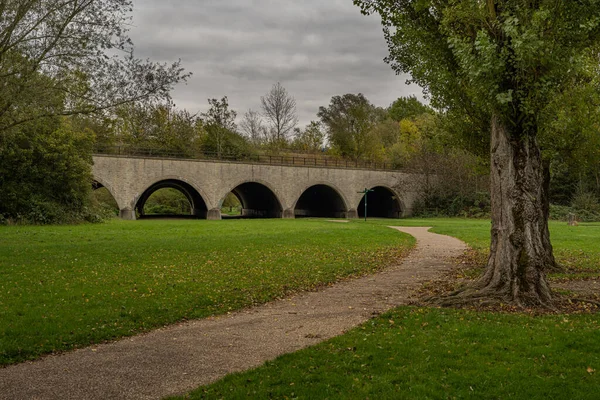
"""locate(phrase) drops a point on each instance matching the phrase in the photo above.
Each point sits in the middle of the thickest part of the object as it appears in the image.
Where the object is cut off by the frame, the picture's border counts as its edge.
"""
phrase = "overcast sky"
(239, 48)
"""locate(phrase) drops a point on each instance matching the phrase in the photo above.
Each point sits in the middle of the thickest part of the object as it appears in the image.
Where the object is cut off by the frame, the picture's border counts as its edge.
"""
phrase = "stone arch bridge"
(265, 191)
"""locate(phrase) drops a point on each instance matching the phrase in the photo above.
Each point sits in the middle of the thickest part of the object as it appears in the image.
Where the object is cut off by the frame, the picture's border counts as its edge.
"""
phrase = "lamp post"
(365, 193)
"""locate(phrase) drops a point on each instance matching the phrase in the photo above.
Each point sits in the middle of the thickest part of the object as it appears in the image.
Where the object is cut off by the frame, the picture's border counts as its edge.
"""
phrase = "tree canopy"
(500, 62)
(60, 59)
(77, 51)
(349, 121)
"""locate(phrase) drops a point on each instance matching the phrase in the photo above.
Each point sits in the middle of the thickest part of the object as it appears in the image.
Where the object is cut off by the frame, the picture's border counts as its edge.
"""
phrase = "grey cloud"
(240, 48)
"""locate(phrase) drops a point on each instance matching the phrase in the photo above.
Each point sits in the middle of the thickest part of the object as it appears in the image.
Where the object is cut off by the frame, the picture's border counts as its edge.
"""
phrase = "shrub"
(45, 173)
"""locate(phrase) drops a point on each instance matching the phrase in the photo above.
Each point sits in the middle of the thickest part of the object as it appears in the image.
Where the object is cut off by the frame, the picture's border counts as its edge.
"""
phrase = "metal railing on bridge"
(283, 159)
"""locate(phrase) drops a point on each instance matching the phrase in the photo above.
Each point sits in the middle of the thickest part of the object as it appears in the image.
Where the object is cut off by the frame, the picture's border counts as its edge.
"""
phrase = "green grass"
(575, 247)
(420, 353)
(68, 286)
(415, 353)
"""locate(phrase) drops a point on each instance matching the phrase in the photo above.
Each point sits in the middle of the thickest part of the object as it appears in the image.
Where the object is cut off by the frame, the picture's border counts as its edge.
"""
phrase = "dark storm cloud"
(315, 48)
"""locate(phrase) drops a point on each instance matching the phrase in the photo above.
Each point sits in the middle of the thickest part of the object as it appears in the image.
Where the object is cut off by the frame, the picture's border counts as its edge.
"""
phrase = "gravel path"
(177, 359)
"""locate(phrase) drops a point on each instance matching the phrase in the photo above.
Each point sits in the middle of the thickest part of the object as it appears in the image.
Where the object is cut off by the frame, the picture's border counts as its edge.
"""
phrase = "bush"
(45, 174)
(438, 204)
(561, 213)
(585, 201)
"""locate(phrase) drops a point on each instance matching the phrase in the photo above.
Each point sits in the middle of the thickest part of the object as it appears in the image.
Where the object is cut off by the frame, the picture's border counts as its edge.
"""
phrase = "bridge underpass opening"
(256, 201)
(381, 203)
(103, 197)
(320, 201)
(171, 199)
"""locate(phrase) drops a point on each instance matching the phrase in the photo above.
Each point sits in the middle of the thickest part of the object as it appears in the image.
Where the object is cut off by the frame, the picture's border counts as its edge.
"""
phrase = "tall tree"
(252, 126)
(571, 141)
(69, 41)
(349, 121)
(407, 107)
(45, 172)
(502, 60)
(221, 130)
(279, 109)
(310, 139)
(158, 127)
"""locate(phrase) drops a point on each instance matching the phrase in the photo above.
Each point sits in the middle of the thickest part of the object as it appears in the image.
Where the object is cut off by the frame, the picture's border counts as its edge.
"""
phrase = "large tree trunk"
(520, 251)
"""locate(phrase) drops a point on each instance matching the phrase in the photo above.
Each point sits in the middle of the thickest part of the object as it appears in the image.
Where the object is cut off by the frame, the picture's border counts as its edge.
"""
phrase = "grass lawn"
(575, 247)
(416, 353)
(68, 286)
(428, 353)
(62, 287)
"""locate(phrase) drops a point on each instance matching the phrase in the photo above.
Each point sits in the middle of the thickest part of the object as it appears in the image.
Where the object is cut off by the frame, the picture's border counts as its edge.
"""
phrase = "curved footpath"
(180, 358)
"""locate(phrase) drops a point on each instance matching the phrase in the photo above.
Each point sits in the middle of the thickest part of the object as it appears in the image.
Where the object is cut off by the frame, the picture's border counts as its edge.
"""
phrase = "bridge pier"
(127, 214)
(214, 214)
(289, 214)
(352, 214)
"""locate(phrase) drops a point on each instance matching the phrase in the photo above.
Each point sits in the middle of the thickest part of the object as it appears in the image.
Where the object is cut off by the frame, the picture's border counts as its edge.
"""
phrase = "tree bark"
(520, 250)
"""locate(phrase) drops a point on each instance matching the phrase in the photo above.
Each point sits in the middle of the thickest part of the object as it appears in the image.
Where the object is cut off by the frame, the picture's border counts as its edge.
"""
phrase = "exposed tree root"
(556, 268)
(474, 295)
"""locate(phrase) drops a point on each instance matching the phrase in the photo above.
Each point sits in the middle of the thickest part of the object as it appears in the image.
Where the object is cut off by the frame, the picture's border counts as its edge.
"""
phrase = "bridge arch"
(98, 183)
(259, 199)
(382, 202)
(321, 200)
(198, 205)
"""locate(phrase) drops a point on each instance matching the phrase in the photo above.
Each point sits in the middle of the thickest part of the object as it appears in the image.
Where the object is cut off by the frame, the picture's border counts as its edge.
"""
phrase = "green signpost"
(365, 193)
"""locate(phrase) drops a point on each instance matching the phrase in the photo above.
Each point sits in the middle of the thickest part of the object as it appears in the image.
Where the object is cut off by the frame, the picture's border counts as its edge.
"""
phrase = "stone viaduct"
(267, 191)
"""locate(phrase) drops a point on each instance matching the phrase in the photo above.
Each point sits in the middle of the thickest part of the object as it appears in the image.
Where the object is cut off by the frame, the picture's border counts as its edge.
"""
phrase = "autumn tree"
(349, 121)
(221, 130)
(407, 107)
(571, 142)
(59, 59)
(502, 61)
(159, 126)
(310, 139)
(279, 110)
(70, 42)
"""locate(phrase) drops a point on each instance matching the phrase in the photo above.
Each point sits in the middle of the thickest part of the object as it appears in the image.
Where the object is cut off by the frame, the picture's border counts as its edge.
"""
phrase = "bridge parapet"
(289, 159)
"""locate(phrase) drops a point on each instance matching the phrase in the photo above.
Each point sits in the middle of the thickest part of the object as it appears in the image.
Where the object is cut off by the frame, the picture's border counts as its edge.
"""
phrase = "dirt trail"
(177, 359)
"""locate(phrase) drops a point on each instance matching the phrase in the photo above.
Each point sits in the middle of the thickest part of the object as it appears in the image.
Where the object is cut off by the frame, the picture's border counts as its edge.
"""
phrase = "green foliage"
(65, 45)
(167, 201)
(508, 58)
(585, 207)
(65, 287)
(571, 141)
(224, 142)
(349, 121)
(221, 131)
(561, 213)
(310, 139)
(102, 200)
(231, 205)
(584, 200)
(453, 182)
(421, 353)
(407, 108)
(440, 204)
(231, 200)
(45, 173)
(156, 126)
